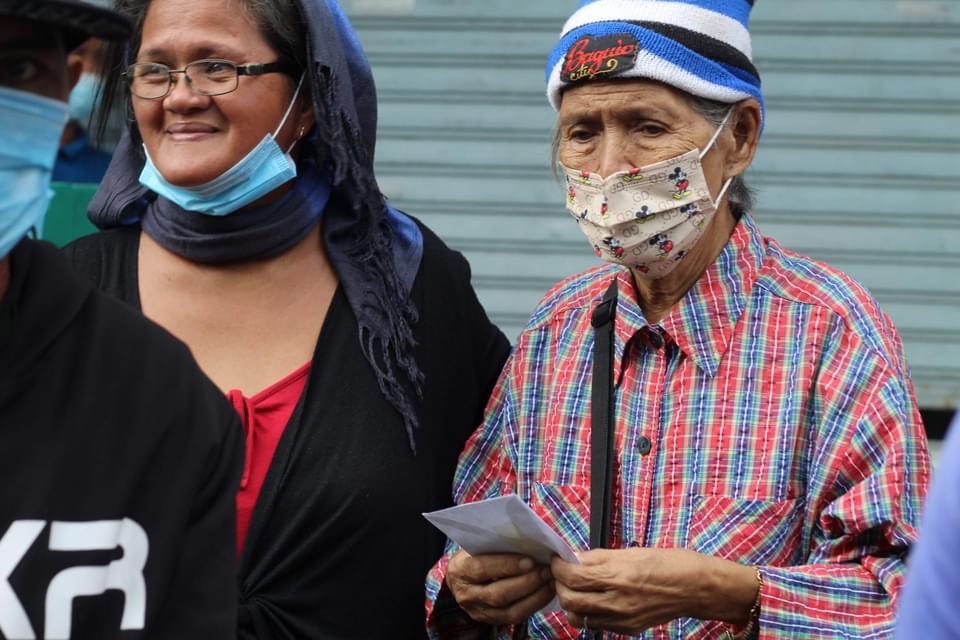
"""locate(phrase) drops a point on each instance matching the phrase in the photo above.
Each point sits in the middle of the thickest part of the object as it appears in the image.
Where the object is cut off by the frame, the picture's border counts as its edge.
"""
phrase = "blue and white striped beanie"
(701, 47)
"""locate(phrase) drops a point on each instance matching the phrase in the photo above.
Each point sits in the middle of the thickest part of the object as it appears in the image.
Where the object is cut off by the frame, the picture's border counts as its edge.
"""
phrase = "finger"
(580, 602)
(598, 556)
(561, 569)
(482, 569)
(491, 567)
(592, 572)
(578, 607)
(528, 606)
(578, 577)
(503, 594)
(518, 611)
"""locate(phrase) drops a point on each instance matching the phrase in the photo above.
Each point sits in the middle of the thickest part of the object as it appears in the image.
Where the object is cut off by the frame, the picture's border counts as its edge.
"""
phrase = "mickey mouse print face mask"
(649, 218)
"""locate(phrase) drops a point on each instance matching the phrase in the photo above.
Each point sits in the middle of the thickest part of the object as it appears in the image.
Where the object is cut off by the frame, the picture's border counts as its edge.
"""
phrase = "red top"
(264, 416)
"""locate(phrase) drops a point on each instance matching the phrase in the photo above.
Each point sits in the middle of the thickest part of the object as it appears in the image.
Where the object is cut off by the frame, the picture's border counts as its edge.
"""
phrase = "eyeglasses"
(208, 77)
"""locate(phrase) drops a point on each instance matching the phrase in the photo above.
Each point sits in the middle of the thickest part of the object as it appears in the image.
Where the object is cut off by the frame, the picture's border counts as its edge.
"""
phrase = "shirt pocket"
(753, 532)
(566, 508)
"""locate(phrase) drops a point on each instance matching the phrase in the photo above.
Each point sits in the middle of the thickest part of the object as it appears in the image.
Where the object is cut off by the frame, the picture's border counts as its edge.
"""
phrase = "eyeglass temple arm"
(270, 67)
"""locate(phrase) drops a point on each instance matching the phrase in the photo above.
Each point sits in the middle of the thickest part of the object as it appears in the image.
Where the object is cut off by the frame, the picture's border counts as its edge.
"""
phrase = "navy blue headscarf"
(375, 249)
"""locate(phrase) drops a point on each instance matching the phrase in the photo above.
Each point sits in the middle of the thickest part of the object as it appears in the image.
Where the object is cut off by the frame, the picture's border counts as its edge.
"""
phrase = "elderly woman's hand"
(499, 588)
(631, 590)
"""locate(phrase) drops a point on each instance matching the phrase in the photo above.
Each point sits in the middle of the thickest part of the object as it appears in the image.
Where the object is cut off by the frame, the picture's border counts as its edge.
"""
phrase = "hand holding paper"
(503, 525)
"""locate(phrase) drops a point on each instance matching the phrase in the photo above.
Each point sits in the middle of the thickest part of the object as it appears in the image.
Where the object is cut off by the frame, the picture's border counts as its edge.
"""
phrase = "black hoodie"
(118, 466)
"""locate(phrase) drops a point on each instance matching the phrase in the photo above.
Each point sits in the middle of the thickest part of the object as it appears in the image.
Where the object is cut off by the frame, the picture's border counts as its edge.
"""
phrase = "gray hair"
(279, 21)
(739, 194)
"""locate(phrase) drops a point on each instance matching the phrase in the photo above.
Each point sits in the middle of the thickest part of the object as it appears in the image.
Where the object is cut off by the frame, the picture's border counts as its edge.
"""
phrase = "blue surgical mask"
(83, 99)
(265, 168)
(29, 139)
(85, 102)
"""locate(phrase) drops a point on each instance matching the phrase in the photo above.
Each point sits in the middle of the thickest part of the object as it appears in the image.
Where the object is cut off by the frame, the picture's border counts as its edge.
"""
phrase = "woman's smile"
(190, 131)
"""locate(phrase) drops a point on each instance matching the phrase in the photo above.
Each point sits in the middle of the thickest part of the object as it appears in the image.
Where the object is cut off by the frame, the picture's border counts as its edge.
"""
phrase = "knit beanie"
(701, 47)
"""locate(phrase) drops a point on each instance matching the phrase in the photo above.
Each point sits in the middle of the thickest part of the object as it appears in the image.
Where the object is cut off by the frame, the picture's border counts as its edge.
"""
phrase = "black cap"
(78, 20)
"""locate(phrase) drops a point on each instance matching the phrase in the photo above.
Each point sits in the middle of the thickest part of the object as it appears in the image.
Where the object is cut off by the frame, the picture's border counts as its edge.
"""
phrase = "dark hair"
(739, 194)
(279, 21)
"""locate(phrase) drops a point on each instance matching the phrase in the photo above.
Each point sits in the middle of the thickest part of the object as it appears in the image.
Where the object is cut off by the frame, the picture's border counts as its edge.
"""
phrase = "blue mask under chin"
(258, 173)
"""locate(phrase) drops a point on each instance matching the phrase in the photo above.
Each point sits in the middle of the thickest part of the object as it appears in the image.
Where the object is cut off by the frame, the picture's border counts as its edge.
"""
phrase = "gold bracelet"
(753, 617)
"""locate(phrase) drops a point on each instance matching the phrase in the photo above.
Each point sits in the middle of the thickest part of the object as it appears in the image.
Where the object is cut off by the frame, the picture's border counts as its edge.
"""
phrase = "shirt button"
(644, 445)
(656, 341)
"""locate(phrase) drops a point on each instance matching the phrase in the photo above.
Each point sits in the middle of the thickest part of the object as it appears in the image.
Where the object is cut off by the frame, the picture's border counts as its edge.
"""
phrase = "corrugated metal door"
(859, 164)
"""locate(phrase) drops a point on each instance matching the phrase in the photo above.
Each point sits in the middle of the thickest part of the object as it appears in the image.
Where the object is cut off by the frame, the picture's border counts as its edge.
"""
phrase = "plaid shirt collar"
(702, 324)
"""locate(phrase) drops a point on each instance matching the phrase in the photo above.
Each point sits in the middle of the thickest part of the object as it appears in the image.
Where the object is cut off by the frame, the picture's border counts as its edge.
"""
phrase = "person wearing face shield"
(242, 212)
(85, 153)
(120, 459)
(724, 429)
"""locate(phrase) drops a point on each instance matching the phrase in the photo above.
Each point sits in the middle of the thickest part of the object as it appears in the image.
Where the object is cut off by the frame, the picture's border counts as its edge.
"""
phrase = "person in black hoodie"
(119, 459)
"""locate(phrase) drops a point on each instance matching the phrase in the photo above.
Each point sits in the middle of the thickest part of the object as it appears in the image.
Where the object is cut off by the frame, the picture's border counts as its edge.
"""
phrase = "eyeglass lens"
(207, 77)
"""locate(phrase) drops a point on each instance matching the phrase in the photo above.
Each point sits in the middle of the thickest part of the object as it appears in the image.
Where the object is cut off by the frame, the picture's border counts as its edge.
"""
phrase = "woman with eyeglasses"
(241, 212)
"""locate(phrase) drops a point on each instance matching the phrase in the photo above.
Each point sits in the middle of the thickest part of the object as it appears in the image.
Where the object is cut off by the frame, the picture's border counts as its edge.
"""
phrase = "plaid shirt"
(768, 419)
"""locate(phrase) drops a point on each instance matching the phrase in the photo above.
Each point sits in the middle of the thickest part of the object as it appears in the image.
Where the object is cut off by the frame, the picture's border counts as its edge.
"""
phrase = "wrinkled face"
(32, 59)
(194, 138)
(606, 127)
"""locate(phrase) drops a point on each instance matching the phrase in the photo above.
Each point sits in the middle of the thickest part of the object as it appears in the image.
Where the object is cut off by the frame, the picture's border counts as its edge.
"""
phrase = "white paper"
(503, 525)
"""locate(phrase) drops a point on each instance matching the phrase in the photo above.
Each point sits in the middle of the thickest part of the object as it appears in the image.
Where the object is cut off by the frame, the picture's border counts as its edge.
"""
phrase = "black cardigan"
(337, 547)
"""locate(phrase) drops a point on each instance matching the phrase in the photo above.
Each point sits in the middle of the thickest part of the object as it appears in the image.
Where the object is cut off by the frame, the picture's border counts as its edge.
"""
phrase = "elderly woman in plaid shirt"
(769, 460)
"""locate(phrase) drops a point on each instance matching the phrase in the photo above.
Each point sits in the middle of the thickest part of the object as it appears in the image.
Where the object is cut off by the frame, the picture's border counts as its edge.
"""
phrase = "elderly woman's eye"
(650, 129)
(580, 135)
